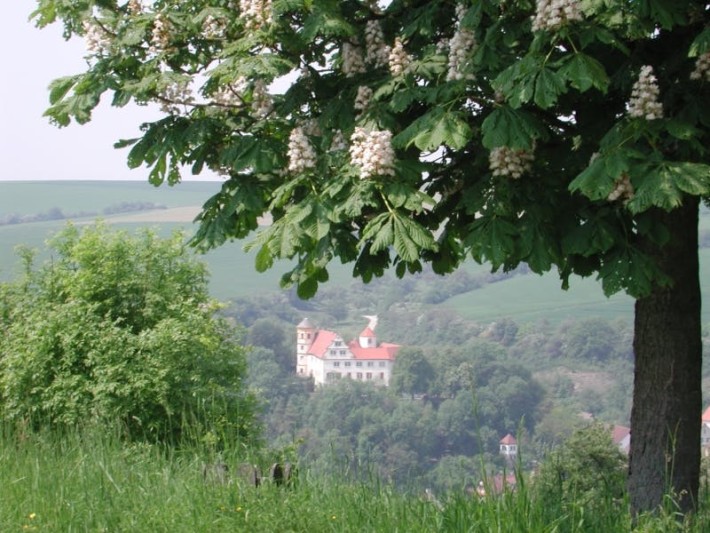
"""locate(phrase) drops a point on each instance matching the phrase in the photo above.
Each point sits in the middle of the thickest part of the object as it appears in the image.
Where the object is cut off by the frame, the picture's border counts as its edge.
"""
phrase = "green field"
(523, 298)
(26, 198)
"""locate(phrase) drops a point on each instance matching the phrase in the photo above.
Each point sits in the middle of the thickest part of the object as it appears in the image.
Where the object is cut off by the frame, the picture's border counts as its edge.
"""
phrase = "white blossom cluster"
(301, 154)
(135, 7)
(173, 96)
(338, 142)
(376, 51)
(261, 103)
(506, 161)
(553, 14)
(353, 62)
(461, 47)
(399, 59)
(214, 28)
(97, 40)
(255, 13)
(372, 152)
(702, 68)
(160, 37)
(623, 189)
(644, 102)
(362, 99)
(231, 94)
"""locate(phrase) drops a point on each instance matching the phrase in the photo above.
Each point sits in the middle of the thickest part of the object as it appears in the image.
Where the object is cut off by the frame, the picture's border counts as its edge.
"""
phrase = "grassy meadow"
(524, 298)
(92, 481)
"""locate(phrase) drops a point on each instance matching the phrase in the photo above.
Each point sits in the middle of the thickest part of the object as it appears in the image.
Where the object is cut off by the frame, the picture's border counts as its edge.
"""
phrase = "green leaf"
(691, 178)
(410, 238)
(596, 235)
(548, 86)
(379, 231)
(663, 185)
(492, 239)
(701, 44)
(434, 129)
(264, 260)
(584, 72)
(517, 82)
(510, 127)
(59, 88)
(680, 129)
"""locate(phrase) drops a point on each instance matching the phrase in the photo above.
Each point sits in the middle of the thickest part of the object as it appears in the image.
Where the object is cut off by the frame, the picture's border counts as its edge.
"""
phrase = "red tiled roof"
(385, 351)
(322, 340)
(706, 415)
(508, 439)
(619, 433)
(367, 332)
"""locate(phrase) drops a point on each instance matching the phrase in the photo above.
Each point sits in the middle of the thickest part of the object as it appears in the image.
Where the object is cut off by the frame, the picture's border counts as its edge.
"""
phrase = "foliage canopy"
(511, 133)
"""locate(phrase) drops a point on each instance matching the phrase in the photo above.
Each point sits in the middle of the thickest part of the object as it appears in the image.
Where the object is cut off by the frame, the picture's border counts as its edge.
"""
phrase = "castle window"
(382, 375)
(359, 363)
(342, 352)
(347, 363)
(359, 375)
(336, 363)
(368, 375)
(370, 363)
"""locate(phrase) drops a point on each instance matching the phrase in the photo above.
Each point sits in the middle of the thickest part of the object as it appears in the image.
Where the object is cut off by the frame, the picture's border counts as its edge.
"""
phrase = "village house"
(705, 433)
(327, 358)
(508, 446)
(621, 437)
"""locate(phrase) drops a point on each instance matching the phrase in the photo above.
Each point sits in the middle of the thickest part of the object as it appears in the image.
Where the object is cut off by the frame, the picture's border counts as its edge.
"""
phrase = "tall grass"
(92, 481)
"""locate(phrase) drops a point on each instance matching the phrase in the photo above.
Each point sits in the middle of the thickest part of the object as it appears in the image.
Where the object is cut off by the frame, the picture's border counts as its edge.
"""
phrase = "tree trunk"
(667, 399)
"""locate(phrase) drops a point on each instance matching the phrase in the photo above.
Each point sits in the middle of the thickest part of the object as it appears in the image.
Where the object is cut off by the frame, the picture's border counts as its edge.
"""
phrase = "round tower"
(305, 333)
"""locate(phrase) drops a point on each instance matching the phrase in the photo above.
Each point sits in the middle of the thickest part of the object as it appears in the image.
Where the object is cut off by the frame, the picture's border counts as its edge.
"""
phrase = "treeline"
(56, 213)
(457, 389)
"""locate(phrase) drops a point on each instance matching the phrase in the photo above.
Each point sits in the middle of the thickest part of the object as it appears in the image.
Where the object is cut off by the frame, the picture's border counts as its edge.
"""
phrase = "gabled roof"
(706, 415)
(367, 332)
(508, 439)
(322, 341)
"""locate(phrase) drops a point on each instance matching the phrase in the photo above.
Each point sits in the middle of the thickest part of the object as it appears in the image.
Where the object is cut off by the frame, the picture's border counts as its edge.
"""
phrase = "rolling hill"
(524, 297)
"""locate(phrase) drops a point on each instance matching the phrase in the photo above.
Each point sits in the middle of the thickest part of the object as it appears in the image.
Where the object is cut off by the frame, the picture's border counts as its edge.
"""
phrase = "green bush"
(119, 329)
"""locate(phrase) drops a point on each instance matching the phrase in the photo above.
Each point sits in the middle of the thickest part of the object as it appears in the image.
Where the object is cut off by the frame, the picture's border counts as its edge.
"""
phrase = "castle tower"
(305, 333)
(367, 338)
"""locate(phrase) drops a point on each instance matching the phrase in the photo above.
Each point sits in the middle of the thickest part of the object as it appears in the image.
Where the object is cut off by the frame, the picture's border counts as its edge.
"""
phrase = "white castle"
(323, 355)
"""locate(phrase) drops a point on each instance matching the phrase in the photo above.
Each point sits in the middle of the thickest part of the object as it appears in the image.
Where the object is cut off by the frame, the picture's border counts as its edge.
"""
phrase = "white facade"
(327, 358)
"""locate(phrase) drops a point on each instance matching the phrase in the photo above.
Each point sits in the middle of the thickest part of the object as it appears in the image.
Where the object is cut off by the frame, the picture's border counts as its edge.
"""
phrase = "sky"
(31, 147)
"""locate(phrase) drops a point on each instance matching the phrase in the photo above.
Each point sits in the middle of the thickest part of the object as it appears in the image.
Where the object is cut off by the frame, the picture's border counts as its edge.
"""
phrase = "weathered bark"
(667, 399)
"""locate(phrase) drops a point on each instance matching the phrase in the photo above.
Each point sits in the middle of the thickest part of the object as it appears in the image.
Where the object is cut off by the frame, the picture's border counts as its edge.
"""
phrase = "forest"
(458, 385)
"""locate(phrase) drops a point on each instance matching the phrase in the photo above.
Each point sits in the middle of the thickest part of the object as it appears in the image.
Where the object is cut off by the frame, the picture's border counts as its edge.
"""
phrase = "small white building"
(621, 436)
(508, 446)
(705, 433)
(325, 356)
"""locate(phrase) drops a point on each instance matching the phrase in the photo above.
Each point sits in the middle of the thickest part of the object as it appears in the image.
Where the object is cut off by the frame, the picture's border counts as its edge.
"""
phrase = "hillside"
(524, 297)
